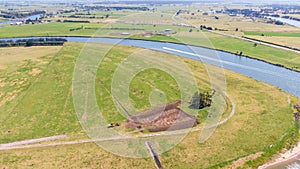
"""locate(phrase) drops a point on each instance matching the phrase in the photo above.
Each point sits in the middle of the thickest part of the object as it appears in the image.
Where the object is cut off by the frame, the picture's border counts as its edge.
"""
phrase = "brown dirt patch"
(9, 97)
(168, 117)
(2, 84)
(35, 72)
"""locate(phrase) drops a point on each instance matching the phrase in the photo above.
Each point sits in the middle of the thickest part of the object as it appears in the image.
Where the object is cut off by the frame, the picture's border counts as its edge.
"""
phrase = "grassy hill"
(36, 99)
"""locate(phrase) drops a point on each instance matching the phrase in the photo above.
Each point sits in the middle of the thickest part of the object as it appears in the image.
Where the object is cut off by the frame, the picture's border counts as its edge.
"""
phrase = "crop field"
(231, 23)
(99, 16)
(38, 100)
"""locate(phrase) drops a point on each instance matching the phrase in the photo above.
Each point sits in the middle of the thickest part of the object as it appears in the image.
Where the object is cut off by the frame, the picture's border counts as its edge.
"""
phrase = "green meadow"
(283, 34)
(37, 97)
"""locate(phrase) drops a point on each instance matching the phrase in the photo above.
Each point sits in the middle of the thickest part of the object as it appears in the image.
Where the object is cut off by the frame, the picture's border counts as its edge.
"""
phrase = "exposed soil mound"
(168, 117)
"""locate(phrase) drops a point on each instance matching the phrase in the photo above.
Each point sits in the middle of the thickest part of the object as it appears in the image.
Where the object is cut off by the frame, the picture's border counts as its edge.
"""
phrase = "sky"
(248, 1)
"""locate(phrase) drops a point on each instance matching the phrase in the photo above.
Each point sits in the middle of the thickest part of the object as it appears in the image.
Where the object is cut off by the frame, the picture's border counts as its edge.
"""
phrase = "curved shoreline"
(285, 158)
(205, 47)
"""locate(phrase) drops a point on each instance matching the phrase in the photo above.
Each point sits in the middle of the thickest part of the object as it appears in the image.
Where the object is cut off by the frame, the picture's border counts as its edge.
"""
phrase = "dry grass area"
(286, 41)
(16, 54)
(231, 23)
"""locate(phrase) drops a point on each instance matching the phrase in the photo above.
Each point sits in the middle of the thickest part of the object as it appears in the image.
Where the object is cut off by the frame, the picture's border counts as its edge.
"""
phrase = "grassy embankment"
(283, 34)
(41, 105)
(269, 54)
(290, 39)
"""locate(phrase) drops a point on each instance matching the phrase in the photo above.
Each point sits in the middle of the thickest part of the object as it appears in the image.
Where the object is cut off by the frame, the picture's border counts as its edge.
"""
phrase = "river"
(32, 17)
(283, 78)
(288, 21)
(291, 164)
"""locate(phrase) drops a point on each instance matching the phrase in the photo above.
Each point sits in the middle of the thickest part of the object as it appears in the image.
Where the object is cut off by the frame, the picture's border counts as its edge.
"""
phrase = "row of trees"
(33, 42)
(297, 113)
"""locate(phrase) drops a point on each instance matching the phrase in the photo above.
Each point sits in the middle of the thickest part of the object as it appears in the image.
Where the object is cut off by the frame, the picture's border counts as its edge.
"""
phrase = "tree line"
(33, 42)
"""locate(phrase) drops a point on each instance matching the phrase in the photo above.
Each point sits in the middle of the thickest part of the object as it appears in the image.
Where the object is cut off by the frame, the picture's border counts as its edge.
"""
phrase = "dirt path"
(39, 140)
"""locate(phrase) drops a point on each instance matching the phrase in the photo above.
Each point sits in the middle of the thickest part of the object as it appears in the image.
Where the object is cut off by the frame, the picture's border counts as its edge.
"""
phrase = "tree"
(297, 107)
(279, 23)
(29, 43)
(297, 113)
(255, 44)
(201, 100)
(209, 28)
(236, 29)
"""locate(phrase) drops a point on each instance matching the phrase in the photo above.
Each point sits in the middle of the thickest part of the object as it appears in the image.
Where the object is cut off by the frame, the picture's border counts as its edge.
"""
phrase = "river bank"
(284, 159)
(254, 68)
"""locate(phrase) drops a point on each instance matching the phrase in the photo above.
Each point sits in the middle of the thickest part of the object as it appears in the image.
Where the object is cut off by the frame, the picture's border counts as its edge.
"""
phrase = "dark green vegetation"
(33, 42)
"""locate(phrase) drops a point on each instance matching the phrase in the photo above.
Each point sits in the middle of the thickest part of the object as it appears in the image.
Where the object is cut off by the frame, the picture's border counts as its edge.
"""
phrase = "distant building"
(125, 33)
(168, 32)
(16, 23)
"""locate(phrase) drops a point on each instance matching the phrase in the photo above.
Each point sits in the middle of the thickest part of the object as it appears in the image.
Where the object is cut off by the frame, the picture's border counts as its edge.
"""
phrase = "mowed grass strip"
(262, 117)
(283, 34)
(16, 54)
(49, 29)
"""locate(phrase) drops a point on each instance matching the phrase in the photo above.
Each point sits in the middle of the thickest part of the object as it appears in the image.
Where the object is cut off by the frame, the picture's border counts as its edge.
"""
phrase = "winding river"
(33, 17)
(285, 79)
(288, 21)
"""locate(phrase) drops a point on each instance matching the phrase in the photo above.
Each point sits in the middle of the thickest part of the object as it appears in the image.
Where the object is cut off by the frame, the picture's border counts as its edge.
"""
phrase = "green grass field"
(42, 105)
(49, 29)
(283, 34)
